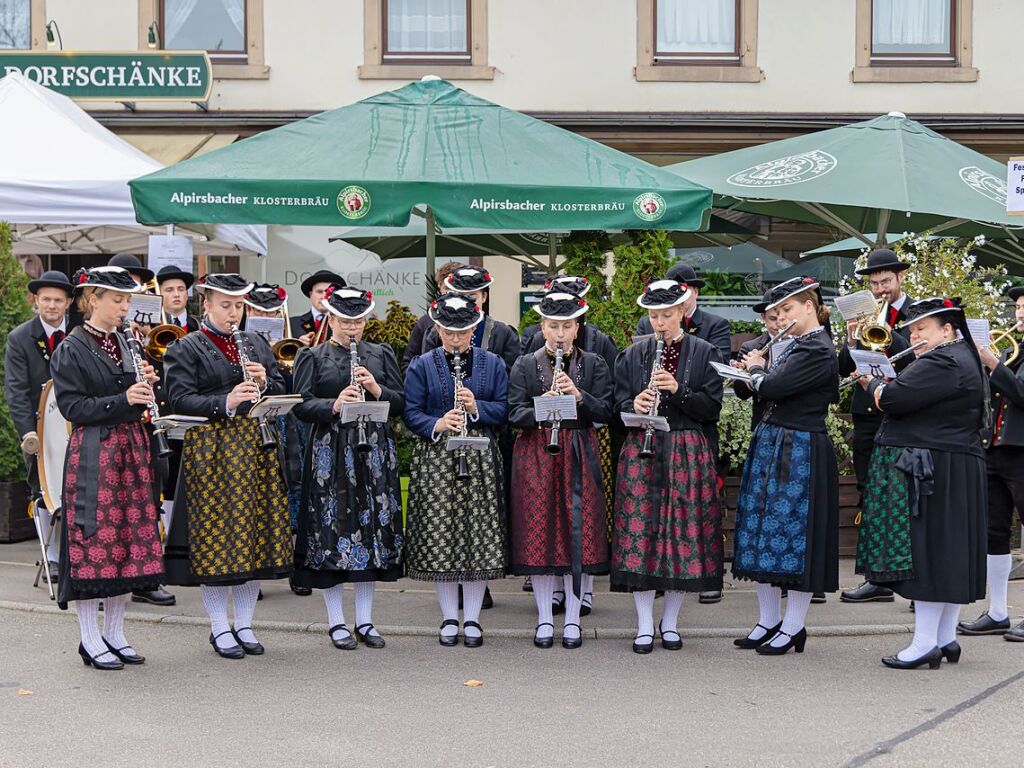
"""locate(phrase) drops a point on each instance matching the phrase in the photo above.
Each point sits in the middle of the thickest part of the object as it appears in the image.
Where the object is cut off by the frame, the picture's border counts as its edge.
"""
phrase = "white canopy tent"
(64, 182)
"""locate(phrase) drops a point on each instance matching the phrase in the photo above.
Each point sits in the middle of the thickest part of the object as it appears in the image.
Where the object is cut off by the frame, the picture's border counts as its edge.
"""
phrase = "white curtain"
(910, 26)
(209, 25)
(435, 26)
(696, 26)
(15, 24)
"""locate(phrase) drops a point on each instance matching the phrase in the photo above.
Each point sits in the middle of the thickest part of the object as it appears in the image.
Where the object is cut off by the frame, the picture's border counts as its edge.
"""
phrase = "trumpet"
(362, 443)
(876, 334)
(553, 448)
(1001, 340)
(267, 439)
(853, 378)
(783, 332)
(461, 462)
(163, 447)
(647, 449)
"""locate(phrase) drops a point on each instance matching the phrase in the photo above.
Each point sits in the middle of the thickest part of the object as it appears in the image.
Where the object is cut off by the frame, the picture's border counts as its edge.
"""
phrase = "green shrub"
(15, 309)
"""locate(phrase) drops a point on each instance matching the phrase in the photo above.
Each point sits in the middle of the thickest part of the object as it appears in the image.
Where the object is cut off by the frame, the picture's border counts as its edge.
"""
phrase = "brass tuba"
(1001, 340)
(160, 338)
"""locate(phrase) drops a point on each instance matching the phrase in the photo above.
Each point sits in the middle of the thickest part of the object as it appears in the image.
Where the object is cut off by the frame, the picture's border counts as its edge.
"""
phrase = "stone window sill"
(416, 71)
(914, 75)
(683, 73)
(241, 71)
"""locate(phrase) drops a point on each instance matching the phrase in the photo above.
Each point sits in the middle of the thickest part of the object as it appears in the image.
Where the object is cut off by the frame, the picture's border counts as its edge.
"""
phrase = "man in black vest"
(305, 326)
(884, 273)
(27, 369)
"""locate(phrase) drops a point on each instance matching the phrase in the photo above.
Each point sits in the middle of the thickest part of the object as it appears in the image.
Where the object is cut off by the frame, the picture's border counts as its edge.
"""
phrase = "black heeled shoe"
(449, 640)
(488, 602)
(797, 641)
(348, 643)
(231, 652)
(569, 642)
(748, 644)
(472, 642)
(951, 652)
(643, 648)
(557, 606)
(93, 661)
(134, 658)
(371, 641)
(670, 645)
(251, 649)
(544, 642)
(587, 604)
(933, 659)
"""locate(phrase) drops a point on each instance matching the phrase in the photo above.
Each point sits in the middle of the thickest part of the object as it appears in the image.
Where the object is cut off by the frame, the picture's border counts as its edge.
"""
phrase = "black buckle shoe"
(348, 643)
(570, 642)
(557, 605)
(159, 596)
(449, 640)
(299, 590)
(670, 645)
(232, 651)
(933, 659)
(867, 593)
(818, 598)
(251, 649)
(472, 642)
(643, 648)
(587, 604)
(710, 597)
(984, 625)
(528, 584)
(748, 644)
(488, 602)
(797, 641)
(127, 658)
(371, 641)
(94, 661)
(1015, 635)
(544, 642)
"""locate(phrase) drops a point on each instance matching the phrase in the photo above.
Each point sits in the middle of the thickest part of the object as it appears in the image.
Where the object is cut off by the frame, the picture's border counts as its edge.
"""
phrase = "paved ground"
(305, 703)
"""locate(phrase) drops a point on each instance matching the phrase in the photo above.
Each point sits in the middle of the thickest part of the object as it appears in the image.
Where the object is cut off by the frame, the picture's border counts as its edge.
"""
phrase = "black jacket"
(800, 389)
(590, 339)
(1007, 384)
(26, 370)
(862, 405)
(322, 372)
(592, 378)
(300, 325)
(743, 391)
(704, 325)
(935, 403)
(501, 339)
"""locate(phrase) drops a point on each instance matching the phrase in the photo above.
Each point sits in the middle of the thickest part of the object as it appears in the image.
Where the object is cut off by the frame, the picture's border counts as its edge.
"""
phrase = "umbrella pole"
(552, 254)
(834, 220)
(431, 247)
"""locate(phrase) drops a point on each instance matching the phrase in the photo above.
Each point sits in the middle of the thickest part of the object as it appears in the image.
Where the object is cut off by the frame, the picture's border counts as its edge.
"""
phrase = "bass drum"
(54, 433)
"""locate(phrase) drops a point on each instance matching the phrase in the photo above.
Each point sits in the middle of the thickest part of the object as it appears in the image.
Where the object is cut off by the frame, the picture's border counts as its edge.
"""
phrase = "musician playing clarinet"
(667, 525)
(557, 518)
(456, 514)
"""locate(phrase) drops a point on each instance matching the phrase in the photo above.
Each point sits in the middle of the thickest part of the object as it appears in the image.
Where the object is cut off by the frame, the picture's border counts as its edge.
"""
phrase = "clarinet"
(362, 443)
(647, 449)
(461, 462)
(163, 447)
(553, 448)
(267, 439)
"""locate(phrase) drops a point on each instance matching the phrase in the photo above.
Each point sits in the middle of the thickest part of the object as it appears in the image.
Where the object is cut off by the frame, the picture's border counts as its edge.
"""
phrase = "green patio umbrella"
(827, 269)
(864, 178)
(992, 253)
(466, 161)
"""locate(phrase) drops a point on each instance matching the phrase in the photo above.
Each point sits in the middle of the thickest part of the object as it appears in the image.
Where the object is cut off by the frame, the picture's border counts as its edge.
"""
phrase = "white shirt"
(50, 330)
(181, 319)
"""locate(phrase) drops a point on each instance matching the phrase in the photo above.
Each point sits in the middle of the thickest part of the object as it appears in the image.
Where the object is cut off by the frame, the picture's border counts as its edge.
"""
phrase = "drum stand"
(44, 546)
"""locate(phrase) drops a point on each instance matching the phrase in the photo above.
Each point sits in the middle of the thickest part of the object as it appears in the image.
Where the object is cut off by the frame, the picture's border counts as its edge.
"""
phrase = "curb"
(594, 633)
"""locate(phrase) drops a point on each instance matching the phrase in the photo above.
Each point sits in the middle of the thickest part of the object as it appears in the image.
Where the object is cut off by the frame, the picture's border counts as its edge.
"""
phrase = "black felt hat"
(936, 305)
(561, 305)
(883, 259)
(662, 294)
(131, 263)
(684, 273)
(352, 303)
(1014, 293)
(791, 287)
(762, 306)
(455, 313)
(51, 279)
(171, 272)
(468, 280)
(577, 286)
(227, 283)
(321, 276)
(266, 297)
(111, 278)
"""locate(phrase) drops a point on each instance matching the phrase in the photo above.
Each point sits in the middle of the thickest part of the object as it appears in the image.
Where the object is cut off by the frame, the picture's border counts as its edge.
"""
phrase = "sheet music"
(145, 309)
(549, 407)
(274, 405)
(271, 329)
(375, 411)
(856, 305)
(728, 372)
(640, 421)
(873, 364)
(980, 330)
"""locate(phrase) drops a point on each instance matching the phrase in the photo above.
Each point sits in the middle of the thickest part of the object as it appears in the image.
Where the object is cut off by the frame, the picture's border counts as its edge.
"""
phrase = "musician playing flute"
(787, 520)
(350, 512)
(667, 525)
(456, 522)
(110, 540)
(557, 517)
(230, 525)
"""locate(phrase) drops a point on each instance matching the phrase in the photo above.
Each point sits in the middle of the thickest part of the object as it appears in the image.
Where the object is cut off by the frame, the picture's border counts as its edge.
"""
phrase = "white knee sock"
(947, 624)
(448, 597)
(113, 621)
(215, 601)
(769, 602)
(670, 618)
(89, 627)
(335, 610)
(998, 567)
(364, 606)
(927, 616)
(572, 610)
(797, 604)
(644, 602)
(245, 597)
(543, 589)
(588, 590)
(472, 600)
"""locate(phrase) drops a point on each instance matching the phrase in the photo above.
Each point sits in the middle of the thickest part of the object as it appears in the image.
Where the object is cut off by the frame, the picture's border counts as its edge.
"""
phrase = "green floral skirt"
(883, 549)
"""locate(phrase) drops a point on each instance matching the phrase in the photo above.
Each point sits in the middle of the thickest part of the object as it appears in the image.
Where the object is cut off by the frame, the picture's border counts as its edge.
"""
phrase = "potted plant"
(15, 524)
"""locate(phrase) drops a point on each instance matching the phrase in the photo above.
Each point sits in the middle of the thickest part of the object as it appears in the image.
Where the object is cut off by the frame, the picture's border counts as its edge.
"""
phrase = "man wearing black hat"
(174, 284)
(703, 325)
(27, 369)
(884, 273)
(305, 326)
(130, 263)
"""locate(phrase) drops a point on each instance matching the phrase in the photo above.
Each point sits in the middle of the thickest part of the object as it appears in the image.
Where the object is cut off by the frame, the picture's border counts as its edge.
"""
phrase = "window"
(426, 30)
(908, 32)
(217, 26)
(15, 24)
(697, 31)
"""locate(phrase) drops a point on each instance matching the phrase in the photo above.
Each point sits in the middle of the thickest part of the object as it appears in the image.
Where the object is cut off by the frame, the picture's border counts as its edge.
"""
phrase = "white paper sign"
(728, 372)
(980, 330)
(856, 305)
(271, 329)
(1015, 186)
(145, 309)
(170, 250)
(551, 407)
(873, 364)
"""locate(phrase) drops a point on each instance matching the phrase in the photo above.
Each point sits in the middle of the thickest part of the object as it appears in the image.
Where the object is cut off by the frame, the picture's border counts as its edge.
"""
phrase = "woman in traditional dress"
(350, 515)
(456, 525)
(926, 499)
(230, 524)
(557, 517)
(787, 520)
(667, 532)
(110, 538)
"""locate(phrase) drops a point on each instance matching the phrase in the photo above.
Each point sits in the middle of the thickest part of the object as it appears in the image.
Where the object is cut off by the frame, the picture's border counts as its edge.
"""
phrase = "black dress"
(926, 501)
(350, 513)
